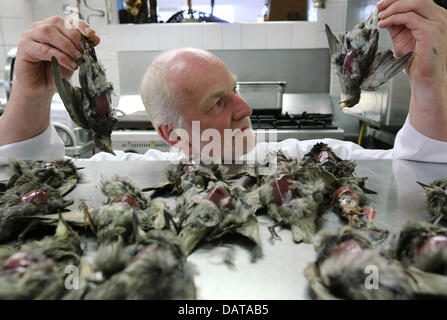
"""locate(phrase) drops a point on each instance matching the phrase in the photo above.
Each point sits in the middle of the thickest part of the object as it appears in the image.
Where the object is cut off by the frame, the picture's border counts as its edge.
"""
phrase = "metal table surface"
(279, 273)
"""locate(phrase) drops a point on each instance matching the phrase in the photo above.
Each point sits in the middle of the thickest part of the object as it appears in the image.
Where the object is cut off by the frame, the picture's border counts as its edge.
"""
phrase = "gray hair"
(158, 99)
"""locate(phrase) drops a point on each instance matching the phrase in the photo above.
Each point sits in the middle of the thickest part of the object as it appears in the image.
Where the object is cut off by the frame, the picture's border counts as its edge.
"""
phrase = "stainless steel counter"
(279, 274)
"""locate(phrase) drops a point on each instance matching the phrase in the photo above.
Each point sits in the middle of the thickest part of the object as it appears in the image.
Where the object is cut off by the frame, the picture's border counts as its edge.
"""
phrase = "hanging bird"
(436, 194)
(358, 64)
(89, 106)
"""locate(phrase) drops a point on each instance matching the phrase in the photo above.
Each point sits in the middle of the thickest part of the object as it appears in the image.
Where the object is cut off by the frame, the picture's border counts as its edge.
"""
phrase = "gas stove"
(309, 121)
(134, 133)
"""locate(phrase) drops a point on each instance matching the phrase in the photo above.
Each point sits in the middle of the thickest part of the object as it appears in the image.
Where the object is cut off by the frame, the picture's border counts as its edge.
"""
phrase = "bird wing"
(334, 43)
(384, 67)
(71, 96)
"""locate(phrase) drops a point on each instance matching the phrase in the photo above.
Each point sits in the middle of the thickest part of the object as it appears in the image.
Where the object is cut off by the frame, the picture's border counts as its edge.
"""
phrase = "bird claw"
(273, 232)
(88, 217)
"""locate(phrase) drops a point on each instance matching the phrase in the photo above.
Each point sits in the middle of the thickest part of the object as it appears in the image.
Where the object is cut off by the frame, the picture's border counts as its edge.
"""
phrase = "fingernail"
(88, 31)
(74, 65)
(78, 54)
(379, 3)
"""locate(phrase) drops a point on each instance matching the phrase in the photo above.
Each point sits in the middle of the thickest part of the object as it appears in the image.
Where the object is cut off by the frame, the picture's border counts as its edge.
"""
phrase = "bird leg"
(273, 232)
(88, 217)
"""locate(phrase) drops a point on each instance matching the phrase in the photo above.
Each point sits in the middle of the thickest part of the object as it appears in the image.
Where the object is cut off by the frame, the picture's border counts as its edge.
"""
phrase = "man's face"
(208, 94)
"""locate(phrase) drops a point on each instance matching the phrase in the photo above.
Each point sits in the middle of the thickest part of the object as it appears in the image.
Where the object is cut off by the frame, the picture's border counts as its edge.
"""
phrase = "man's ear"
(164, 131)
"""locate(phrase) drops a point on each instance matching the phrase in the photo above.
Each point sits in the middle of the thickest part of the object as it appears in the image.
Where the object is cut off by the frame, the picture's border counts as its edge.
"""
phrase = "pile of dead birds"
(411, 263)
(141, 244)
(45, 248)
(353, 263)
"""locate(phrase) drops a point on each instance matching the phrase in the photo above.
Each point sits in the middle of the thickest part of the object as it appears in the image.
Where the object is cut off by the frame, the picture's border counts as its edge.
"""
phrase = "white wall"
(15, 18)
(17, 15)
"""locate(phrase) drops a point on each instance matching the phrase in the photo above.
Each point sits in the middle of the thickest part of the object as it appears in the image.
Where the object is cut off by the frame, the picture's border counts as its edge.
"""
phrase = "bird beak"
(106, 145)
(343, 104)
(422, 185)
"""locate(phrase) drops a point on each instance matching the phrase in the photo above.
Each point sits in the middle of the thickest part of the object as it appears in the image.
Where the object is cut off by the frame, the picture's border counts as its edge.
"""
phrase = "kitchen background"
(255, 50)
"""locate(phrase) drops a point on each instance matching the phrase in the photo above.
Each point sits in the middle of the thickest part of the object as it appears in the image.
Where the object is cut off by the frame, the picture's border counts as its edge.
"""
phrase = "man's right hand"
(54, 36)
(27, 113)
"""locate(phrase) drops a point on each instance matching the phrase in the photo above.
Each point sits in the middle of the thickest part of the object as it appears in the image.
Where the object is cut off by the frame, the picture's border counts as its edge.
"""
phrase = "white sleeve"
(48, 145)
(150, 155)
(345, 150)
(410, 144)
(45, 146)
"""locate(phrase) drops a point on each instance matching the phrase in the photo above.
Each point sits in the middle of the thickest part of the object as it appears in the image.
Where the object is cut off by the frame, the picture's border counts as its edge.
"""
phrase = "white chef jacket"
(409, 145)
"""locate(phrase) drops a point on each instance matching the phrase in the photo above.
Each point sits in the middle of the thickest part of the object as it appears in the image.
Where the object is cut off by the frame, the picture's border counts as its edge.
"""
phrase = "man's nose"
(240, 107)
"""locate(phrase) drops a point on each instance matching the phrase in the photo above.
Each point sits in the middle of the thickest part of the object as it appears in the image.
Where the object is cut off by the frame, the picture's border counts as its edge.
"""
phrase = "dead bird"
(205, 216)
(323, 156)
(61, 174)
(156, 269)
(350, 202)
(121, 189)
(36, 270)
(358, 64)
(345, 267)
(436, 193)
(89, 106)
(124, 201)
(423, 245)
(250, 177)
(184, 176)
(25, 274)
(115, 220)
(19, 203)
(63, 247)
(296, 199)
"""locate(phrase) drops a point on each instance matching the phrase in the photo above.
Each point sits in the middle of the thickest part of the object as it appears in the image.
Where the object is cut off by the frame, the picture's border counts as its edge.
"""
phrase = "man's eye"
(219, 103)
(235, 90)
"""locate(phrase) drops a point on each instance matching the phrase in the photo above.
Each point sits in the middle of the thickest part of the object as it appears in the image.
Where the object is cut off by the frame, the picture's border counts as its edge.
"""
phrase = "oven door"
(264, 97)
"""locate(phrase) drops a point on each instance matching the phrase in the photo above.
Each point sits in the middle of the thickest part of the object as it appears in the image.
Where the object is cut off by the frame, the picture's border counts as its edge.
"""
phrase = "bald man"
(190, 95)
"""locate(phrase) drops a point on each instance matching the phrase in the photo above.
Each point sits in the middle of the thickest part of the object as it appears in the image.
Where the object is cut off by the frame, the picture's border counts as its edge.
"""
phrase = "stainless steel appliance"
(301, 116)
(263, 96)
(9, 71)
(2, 97)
